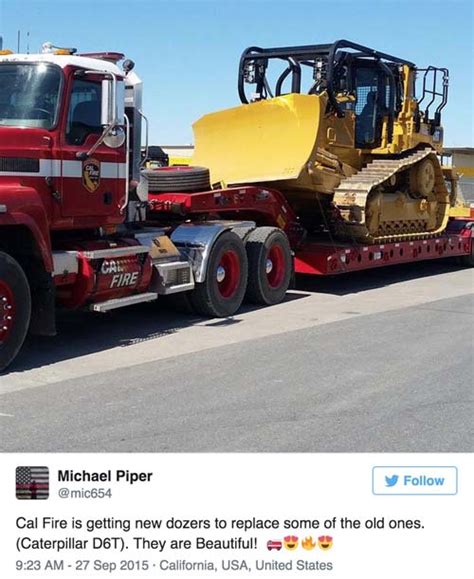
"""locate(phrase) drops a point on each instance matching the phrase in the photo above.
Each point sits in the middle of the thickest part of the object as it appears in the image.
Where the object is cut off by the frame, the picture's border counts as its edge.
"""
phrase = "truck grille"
(179, 276)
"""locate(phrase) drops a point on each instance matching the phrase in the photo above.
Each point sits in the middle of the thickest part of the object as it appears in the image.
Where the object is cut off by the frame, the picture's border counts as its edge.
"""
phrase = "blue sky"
(187, 51)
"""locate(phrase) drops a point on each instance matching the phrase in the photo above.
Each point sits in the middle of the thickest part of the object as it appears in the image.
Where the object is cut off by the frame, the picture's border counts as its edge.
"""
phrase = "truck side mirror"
(108, 116)
(112, 112)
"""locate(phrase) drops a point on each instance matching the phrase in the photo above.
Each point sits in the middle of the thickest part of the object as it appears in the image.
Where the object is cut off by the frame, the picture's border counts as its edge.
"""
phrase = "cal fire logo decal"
(91, 174)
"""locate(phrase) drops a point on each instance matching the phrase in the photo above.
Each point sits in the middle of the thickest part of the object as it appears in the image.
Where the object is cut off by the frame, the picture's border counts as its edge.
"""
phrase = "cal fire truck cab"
(73, 203)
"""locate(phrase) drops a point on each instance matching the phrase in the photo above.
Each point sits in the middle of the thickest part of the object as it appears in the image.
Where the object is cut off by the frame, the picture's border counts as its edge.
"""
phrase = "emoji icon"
(325, 542)
(308, 543)
(391, 481)
(274, 545)
(290, 542)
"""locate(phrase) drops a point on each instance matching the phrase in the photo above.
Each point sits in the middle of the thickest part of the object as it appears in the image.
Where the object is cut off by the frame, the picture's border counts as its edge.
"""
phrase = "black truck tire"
(468, 260)
(270, 265)
(222, 292)
(178, 179)
(15, 309)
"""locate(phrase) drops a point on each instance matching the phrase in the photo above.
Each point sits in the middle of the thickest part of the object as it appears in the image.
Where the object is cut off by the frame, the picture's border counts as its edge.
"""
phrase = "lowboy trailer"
(317, 254)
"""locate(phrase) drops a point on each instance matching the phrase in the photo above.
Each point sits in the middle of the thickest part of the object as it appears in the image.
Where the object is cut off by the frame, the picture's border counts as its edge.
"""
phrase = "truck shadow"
(82, 333)
(357, 282)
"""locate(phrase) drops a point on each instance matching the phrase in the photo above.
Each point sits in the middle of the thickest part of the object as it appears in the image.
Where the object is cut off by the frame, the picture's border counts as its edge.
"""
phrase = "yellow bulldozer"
(339, 129)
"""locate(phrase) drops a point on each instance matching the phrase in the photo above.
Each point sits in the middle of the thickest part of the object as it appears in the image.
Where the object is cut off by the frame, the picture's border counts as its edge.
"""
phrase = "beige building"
(463, 159)
(178, 154)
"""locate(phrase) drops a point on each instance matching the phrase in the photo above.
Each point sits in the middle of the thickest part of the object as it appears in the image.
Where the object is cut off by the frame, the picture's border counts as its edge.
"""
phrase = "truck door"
(94, 186)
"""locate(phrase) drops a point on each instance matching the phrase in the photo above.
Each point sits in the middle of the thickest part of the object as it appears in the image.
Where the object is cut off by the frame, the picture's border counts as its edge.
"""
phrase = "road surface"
(378, 361)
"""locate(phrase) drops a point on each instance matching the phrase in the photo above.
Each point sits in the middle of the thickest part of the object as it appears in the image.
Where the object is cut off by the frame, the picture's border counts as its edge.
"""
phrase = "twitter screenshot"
(236, 289)
(298, 515)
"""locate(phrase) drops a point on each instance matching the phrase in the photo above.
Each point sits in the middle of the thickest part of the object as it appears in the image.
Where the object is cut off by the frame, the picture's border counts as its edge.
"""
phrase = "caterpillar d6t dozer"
(355, 152)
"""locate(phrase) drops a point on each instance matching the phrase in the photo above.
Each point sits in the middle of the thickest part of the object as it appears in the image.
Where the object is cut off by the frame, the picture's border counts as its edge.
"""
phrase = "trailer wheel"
(15, 309)
(222, 292)
(468, 260)
(178, 179)
(270, 265)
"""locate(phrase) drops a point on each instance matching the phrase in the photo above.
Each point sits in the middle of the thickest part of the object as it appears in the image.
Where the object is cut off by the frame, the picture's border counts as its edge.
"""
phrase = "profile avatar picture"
(32, 482)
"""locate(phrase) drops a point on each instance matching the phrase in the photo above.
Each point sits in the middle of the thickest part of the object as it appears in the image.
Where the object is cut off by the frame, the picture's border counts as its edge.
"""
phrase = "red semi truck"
(79, 228)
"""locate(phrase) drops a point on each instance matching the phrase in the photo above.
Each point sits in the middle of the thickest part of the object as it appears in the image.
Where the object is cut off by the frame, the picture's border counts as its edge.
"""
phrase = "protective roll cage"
(431, 89)
(333, 71)
(330, 63)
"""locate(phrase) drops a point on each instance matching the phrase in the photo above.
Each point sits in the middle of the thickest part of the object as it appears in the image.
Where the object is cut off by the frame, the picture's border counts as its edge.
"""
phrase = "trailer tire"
(15, 309)
(178, 179)
(468, 260)
(222, 292)
(270, 265)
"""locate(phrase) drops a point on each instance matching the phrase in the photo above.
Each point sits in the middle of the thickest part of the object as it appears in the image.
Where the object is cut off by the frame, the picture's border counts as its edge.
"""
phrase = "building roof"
(459, 150)
(177, 146)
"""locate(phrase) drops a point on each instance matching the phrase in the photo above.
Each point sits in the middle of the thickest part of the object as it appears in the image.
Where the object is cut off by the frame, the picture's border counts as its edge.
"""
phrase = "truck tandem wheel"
(270, 265)
(15, 309)
(222, 292)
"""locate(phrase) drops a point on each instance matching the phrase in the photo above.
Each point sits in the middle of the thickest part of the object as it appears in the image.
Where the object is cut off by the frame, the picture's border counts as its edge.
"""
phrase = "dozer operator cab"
(372, 86)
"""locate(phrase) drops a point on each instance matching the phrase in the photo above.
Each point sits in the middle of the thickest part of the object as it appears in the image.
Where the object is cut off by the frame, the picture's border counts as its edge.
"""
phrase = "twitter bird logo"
(391, 481)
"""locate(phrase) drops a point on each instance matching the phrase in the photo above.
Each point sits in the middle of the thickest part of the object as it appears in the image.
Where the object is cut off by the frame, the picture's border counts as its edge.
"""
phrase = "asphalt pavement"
(378, 361)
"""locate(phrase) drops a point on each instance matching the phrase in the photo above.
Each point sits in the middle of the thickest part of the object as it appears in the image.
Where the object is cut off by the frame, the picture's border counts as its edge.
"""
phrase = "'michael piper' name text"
(105, 476)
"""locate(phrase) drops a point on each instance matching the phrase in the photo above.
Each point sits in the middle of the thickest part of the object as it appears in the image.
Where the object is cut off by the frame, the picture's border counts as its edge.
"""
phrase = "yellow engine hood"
(269, 140)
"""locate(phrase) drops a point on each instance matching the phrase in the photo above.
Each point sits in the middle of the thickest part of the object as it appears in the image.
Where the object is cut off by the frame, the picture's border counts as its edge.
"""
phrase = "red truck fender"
(23, 207)
(24, 235)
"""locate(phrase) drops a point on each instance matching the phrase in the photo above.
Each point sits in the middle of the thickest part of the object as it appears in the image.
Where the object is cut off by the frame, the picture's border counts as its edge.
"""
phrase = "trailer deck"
(322, 257)
(313, 255)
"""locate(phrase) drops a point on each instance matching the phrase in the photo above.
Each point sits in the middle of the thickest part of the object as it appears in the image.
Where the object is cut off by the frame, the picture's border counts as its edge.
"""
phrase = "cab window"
(366, 109)
(29, 94)
(84, 112)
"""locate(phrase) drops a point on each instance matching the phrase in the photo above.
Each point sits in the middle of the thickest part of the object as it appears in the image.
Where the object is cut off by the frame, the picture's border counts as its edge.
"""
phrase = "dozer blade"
(269, 140)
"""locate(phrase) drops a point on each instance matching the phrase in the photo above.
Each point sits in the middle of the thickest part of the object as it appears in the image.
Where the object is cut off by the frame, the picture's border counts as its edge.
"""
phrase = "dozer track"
(353, 200)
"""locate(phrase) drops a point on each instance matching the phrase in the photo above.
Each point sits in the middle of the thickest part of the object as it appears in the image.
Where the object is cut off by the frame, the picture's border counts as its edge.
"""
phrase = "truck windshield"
(29, 94)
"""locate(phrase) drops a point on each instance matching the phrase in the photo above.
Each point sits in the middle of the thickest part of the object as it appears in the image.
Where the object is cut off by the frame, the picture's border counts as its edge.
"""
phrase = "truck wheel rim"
(7, 310)
(228, 274)
(275, 266)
